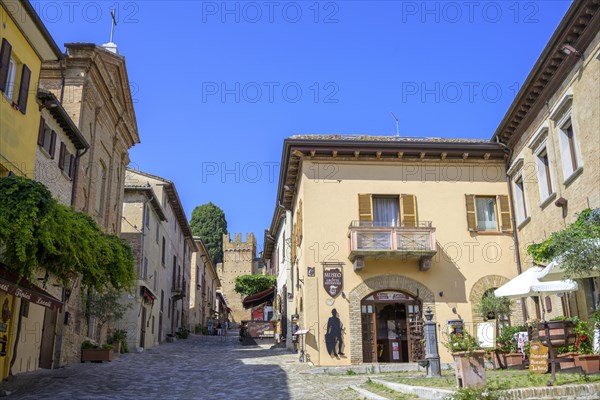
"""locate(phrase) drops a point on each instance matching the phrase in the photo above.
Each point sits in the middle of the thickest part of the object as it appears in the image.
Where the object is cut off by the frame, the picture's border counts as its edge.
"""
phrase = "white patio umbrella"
(554, 271)
(527, 284)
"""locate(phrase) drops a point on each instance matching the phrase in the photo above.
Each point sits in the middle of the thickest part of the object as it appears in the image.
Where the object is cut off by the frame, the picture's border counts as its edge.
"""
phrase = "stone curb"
(368, 395)
(421, 391)
(552, 392)
(372, 368)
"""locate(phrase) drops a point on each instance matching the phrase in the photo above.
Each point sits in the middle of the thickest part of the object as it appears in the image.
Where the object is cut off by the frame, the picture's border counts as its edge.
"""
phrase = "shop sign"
(333, 280)
(538, 358)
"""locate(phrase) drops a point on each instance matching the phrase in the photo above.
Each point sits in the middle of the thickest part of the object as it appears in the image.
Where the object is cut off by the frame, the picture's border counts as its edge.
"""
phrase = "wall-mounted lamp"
(441, 293)
(570, 50)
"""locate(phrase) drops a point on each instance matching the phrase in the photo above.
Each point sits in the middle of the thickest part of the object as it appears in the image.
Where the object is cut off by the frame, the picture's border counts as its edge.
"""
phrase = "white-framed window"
(544, 173)
(485, 208)
(568, 147)
(10, 79)
(520, 199)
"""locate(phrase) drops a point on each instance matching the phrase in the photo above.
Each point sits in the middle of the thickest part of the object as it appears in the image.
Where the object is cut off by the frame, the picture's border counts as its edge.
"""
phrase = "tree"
(578, 245)
(251, 284)
(105, 307)
(208, 221)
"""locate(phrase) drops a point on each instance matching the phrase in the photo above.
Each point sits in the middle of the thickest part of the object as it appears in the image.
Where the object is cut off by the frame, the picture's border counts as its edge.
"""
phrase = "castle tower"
(237, 260)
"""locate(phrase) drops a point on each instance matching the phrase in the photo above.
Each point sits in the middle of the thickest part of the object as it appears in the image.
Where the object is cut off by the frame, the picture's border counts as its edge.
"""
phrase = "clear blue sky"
(218, 86)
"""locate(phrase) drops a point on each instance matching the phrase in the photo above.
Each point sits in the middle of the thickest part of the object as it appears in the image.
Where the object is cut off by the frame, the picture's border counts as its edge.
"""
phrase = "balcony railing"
(179, 288)
(382, 239)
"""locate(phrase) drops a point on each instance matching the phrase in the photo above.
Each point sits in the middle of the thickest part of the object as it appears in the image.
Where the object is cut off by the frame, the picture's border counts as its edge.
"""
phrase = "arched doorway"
(392, 327)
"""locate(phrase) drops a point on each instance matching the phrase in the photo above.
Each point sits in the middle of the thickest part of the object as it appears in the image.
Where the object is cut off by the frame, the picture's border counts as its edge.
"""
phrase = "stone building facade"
(238, 259)
(143, 217)
(92, 84)
(553, 132)
(203, 287)
(176, 243)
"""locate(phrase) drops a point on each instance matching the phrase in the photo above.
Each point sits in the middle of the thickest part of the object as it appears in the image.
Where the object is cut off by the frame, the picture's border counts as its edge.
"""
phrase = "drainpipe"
(513, 220)
(62, 79)
(78, 155)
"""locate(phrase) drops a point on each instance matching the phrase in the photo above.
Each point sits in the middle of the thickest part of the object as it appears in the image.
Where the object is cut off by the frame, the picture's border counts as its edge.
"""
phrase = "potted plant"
(92, 351)
(507, 348)
(119, 341)
(586, 359)
(563, 336)
(468, 359)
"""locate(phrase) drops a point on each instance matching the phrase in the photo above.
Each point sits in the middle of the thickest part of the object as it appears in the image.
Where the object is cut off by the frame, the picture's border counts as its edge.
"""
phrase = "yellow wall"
(463, 257)
(18, 132)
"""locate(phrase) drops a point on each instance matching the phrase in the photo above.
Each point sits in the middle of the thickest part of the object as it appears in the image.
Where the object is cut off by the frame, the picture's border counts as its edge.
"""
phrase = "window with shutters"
(47, 138)
(488, 213)
(387, 210)
(66, 161)
(163, 253)
(13, 72)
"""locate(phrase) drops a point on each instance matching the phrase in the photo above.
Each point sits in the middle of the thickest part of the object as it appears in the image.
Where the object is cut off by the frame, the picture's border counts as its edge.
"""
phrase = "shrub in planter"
(92, 351)
(119, 341)
(507, 347)
(468, 359)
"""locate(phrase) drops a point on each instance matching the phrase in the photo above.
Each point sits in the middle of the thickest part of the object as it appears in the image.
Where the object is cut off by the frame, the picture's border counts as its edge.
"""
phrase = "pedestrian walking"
(219, 329)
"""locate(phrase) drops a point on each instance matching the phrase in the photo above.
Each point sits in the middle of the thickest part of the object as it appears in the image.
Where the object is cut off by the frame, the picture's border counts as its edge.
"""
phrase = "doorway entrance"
(392, 327)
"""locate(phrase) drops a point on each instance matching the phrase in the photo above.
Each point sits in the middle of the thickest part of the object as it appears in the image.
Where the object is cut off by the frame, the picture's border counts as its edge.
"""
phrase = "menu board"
(538, 358)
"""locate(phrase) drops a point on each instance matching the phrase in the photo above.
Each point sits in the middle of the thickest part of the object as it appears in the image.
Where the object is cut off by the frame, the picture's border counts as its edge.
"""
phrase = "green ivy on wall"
(39, 234)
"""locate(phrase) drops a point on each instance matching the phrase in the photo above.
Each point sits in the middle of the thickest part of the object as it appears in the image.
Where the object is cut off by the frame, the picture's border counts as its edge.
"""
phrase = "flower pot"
(117, 347)
(514, 360)
(588, 362)
(96, 355)
(469, 367)
(562, 333)
(567, 364)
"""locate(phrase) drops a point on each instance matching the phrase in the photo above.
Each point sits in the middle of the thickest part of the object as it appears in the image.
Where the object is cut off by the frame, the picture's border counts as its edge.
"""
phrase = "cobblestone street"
(196, 368)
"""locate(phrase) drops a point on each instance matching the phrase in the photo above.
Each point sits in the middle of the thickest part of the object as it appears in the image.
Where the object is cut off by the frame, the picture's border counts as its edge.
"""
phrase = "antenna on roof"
(396, 118)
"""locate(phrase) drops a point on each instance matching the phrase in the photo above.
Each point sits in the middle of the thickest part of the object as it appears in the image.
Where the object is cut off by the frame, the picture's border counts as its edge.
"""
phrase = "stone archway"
(375, 284)
(478, 290)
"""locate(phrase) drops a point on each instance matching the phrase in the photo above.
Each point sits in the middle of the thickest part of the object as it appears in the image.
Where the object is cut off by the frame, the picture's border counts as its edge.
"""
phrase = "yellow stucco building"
(383, 228)
(24, 45)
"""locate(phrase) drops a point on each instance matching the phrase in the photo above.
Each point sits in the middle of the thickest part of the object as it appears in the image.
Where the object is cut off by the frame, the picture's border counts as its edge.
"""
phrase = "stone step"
(420, 391)
(367, 395)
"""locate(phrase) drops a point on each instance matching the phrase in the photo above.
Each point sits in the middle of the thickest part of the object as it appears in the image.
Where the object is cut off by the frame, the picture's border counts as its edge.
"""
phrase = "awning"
(259, 298)
(554, 270)
(527, 284)
(147, 294)
(10, 283)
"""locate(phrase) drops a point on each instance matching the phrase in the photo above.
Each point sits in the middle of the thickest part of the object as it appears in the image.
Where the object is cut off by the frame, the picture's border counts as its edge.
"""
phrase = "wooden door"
(48, 334)
(369, 337)
(143, 328)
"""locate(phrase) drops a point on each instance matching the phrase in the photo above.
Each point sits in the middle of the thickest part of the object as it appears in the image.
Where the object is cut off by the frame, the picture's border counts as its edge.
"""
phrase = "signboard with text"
(333, 280)
(538, 358)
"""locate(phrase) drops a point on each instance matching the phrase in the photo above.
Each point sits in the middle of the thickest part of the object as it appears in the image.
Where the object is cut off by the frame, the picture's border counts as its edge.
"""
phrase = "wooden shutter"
(4, 63)
(61, 156)
(504, 208)
(299, 221)
(408, 204)
(471, 216)
(41, 131)
(52, 144)
(24, 89)
(294, 246)
(365, 207)
(72, 169)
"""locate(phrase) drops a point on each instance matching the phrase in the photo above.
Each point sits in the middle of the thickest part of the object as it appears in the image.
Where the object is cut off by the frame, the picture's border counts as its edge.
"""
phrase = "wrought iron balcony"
(178, 289)
(384, 240)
